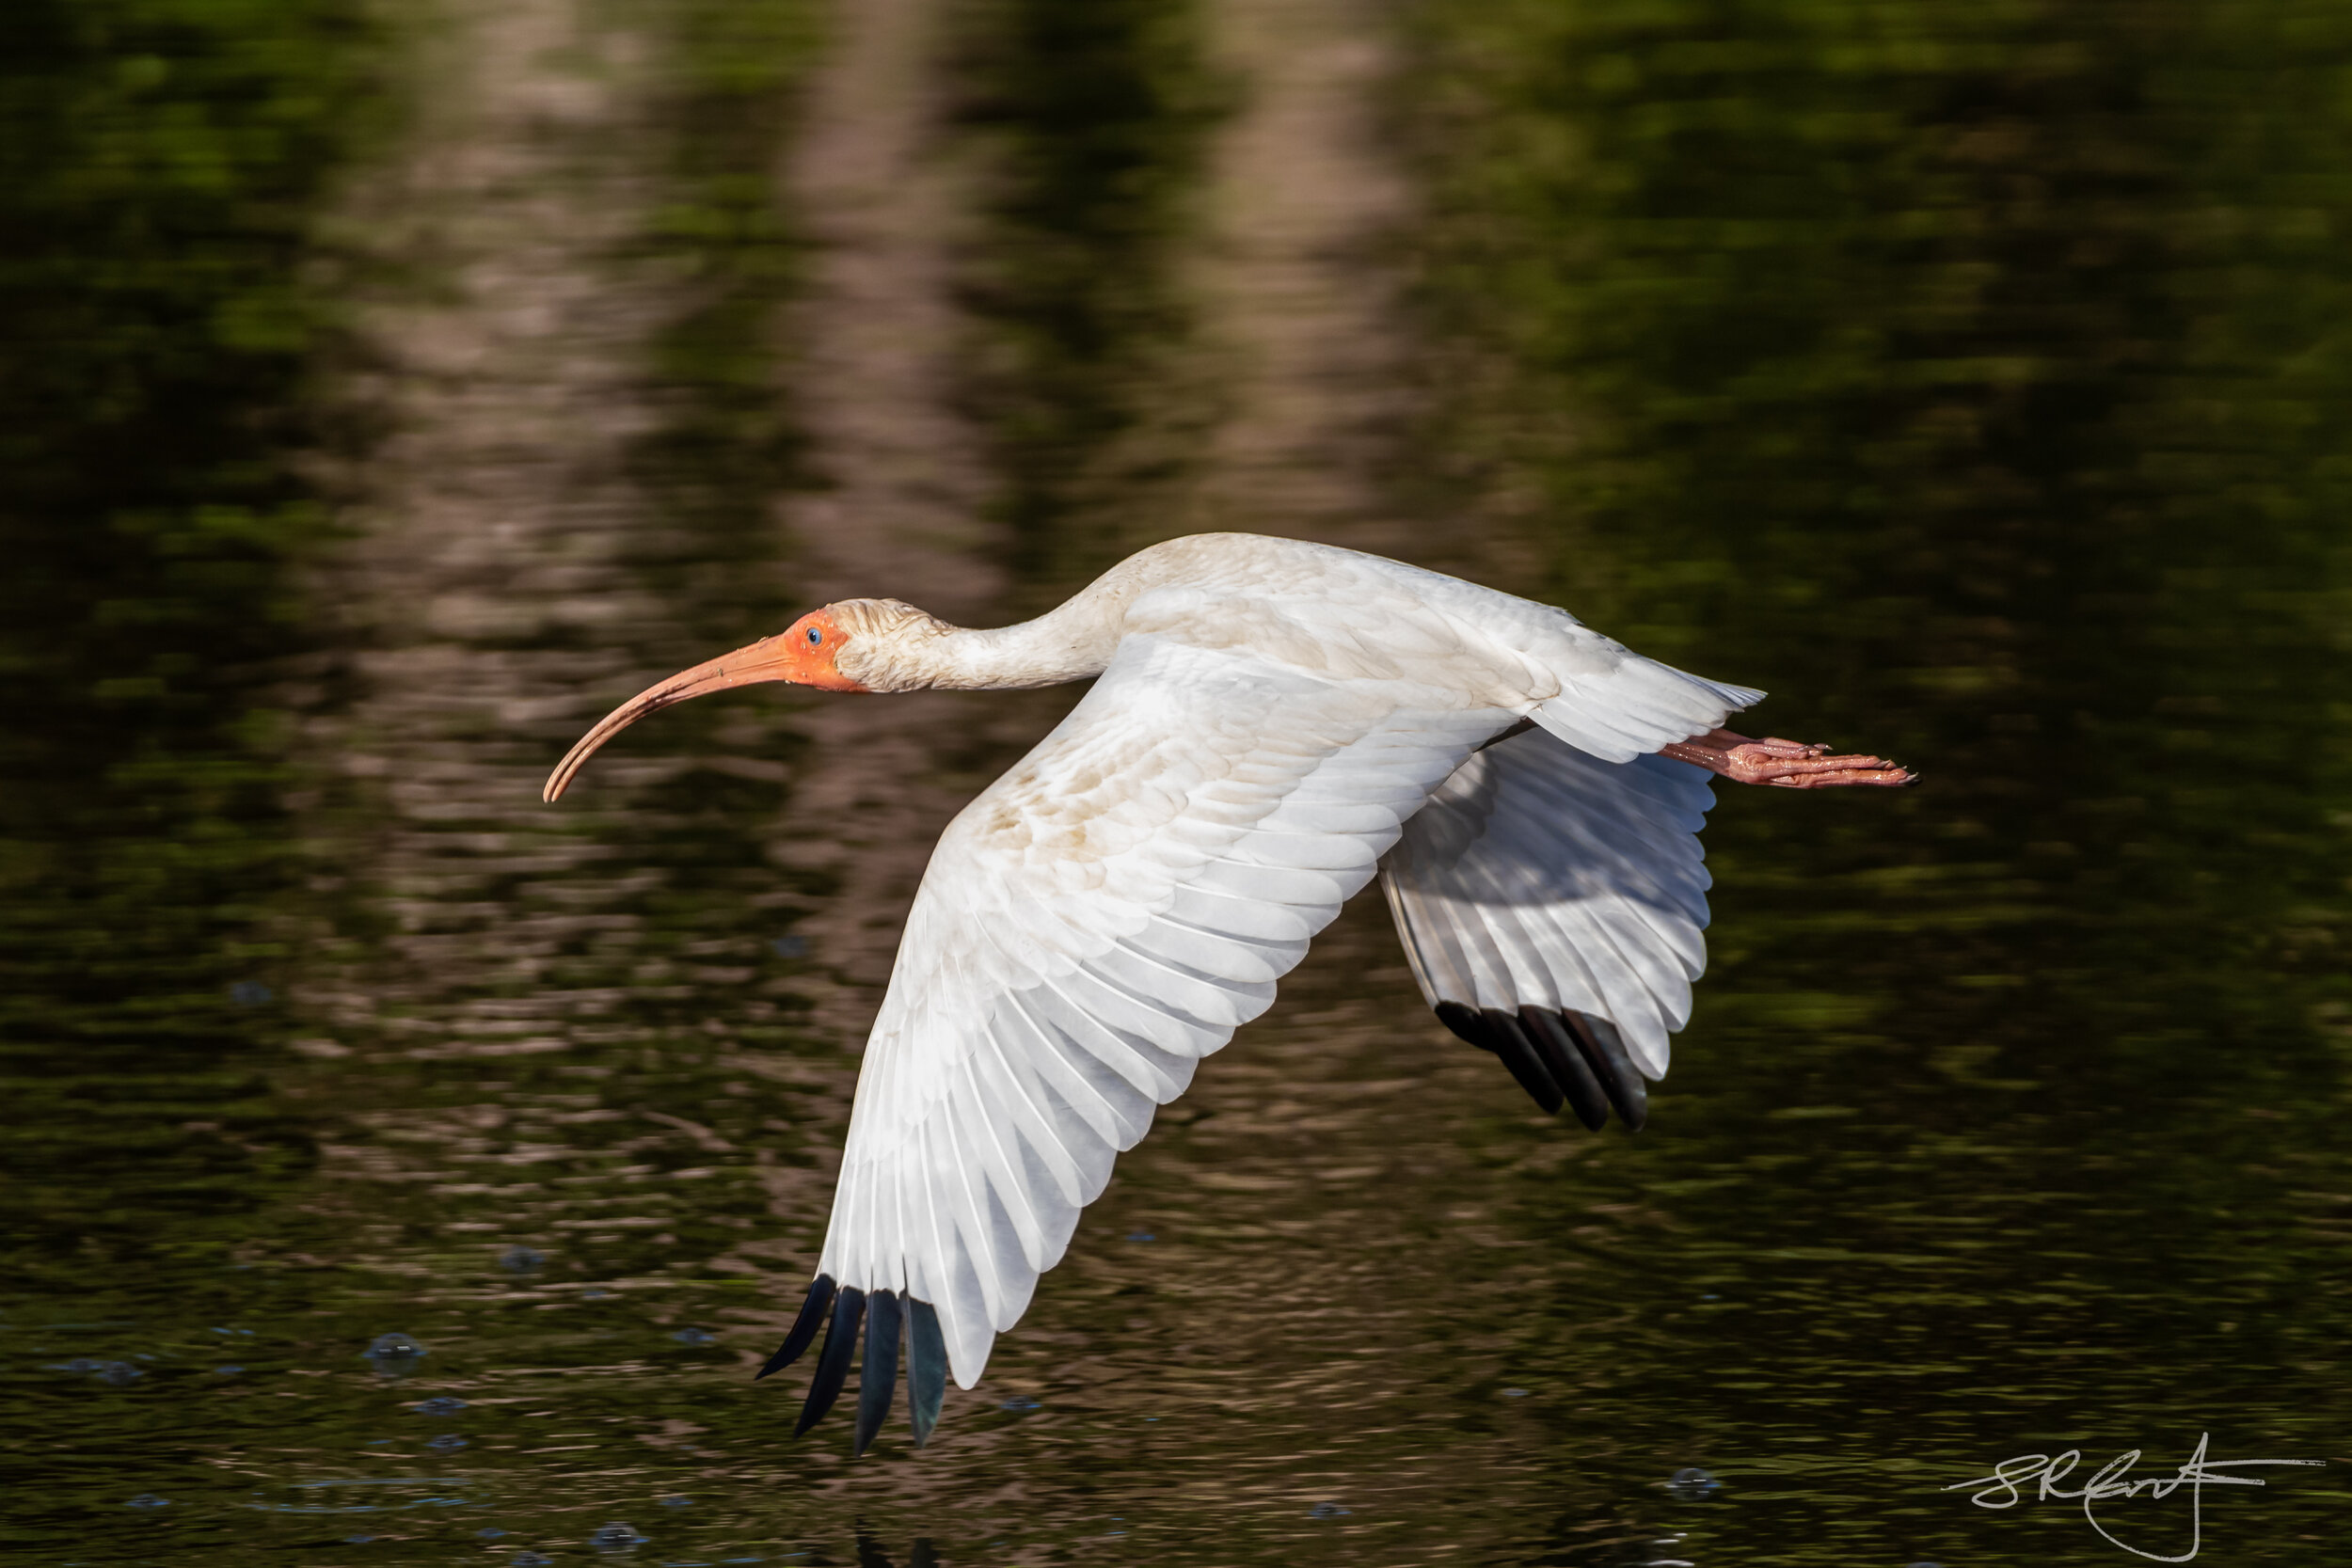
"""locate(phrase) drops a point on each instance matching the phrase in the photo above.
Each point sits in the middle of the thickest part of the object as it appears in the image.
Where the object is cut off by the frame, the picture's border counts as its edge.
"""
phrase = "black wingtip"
(833, 1363)
(926, 1368)
(879, 1381)
(1559, 1058)
(1604, 1048)
(1567, 1066)
(1464, 1021)
(1492, 1029)
(804, 1327)
(1519, 1054)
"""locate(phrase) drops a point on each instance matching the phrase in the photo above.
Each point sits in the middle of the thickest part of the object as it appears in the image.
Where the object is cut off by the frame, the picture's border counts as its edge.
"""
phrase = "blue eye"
(815, 637)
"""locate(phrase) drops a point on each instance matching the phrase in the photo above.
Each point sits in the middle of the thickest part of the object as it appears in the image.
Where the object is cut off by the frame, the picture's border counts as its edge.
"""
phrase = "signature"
(2005, 1487)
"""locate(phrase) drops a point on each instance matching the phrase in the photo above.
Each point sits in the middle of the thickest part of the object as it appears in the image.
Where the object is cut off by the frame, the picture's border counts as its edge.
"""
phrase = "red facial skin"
(806, 662)
(802, 656)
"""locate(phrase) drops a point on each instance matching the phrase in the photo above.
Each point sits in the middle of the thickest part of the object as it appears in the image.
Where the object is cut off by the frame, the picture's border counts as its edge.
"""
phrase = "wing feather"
(985, 1135)
(1054, 1149)
(1538, 874)
(1218, 909)
(1221, 954)
(1067, 966)
(1109, 912)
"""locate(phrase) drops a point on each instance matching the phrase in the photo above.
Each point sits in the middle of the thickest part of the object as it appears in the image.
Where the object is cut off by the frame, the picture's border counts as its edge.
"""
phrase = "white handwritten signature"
(2044, 1471)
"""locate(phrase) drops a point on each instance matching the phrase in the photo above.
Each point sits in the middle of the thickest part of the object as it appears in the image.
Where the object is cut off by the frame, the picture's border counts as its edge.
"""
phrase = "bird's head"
(810, 652)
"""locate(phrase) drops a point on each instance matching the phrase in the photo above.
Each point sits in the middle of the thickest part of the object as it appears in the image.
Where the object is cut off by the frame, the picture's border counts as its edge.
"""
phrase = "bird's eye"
(815, 637)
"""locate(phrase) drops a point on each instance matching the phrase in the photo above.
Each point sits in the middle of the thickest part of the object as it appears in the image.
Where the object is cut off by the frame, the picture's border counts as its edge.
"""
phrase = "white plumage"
(1538, 874)
(1271, 719)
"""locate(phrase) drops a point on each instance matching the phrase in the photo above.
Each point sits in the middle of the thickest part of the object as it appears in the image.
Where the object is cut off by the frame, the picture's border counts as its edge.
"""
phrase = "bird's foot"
(1788, 763)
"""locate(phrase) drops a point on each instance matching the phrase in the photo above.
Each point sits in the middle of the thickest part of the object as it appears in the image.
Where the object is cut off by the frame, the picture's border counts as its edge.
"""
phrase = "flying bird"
(1272, 724)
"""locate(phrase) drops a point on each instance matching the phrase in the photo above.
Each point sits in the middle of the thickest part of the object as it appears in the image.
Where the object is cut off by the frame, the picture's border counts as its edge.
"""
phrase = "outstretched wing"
(1551, 906)
(1091, 926)
(1087, 931)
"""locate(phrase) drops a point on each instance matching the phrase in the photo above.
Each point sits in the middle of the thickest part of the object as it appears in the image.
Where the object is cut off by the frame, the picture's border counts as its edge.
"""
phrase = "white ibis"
(1272, 723)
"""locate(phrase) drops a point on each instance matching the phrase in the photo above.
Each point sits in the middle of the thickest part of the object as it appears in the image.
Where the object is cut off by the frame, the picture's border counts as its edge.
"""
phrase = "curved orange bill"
(764, 660)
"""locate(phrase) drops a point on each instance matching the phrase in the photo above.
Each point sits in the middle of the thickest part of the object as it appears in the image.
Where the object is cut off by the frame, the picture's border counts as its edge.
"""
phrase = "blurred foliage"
(728, 93)
(159, 163)
(170, 336)
(1094, 121)
(166, 825)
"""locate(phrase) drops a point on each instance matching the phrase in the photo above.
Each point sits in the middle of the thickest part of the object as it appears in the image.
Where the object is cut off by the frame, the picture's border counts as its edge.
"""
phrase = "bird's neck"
(1071, 642)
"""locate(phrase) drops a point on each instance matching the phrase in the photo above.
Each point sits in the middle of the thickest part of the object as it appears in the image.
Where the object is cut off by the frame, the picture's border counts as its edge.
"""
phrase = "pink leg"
(1789, 764)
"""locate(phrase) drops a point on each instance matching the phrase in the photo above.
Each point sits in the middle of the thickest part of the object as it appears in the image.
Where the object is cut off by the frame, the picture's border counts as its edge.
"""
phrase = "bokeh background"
(390, 387)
